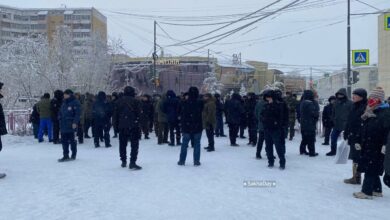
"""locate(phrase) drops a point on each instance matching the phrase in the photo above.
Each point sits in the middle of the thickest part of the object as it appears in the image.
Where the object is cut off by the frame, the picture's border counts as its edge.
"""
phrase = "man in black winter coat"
(272, 117)
(101, 112)
(55, 105)
(310, 112)
(327, 121)
(146, 115)
(192, 126)
(127, 114)
(250, 106)
(340, 114)
(352, 132)
(3, 128)
(234, 110)
(171, 108)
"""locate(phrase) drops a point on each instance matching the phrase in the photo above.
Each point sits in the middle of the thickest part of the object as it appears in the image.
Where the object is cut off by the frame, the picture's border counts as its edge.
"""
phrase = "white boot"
(360, 195)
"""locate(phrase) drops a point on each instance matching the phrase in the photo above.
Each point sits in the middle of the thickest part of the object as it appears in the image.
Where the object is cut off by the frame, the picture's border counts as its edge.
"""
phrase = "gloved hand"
(358, 147)
(386, 180)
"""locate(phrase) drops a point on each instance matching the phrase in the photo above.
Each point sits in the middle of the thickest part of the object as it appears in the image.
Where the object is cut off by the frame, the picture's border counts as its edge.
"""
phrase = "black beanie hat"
(360, 92)
(129, 91)
(68, 92)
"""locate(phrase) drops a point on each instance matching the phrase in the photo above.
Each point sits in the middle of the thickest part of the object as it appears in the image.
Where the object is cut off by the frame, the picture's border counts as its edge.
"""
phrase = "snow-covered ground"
(96, 187)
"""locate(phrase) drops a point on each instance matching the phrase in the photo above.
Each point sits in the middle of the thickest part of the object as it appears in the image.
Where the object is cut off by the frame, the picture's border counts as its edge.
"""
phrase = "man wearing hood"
(310, 112)
(327, 121)
(55, 106)
(69, 119)
(340, 114)
(3, 128)
(273, 118)
(192, 126)
(127, 114)
(352, 132)
(234, 111)
(171, 110)
(101, 113)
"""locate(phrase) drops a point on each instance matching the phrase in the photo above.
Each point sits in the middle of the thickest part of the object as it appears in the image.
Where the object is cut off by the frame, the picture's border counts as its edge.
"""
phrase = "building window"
(81, 26)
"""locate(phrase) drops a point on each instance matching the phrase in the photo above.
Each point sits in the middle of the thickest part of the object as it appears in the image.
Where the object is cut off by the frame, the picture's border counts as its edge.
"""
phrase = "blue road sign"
(360, 57)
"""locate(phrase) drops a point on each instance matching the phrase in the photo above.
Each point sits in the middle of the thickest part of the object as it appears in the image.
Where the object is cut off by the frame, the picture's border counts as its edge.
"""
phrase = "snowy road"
(95, 187)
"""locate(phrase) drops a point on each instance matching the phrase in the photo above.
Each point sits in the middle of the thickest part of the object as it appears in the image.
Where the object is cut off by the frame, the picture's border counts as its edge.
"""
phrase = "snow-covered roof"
(243, 66)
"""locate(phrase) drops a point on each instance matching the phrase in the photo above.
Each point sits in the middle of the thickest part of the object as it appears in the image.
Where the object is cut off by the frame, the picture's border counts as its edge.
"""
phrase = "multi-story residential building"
(82, 22)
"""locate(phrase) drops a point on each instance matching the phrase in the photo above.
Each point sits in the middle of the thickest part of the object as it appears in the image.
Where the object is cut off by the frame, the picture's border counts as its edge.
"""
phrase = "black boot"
(64, 159)
(124, 164)
(134, 166)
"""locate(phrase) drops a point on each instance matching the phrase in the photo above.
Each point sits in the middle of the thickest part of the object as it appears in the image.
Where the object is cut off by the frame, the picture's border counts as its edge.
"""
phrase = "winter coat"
(127, 113)
(341, 111)
(272, 116)
(3, 128)
(208, 114)
(44, 108)
(219, 108)
(191, 114)
(310, 113)
(161, 116)
(250, 106)
(69, 114)
(292, 105)
(374, 136)
(234, 110)
(147, 111)
(170, 107)
(353, 128)
(102, 112)
(34, 117)
(327, 116)
(259, 108)
(87, 106)
(387, 157)
(55, 104)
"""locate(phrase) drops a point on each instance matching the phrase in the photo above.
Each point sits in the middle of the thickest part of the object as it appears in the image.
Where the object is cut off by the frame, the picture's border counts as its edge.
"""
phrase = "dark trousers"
(80, 134)
(1, 144)
(45, 123)
(195, 139)
(35, 130)
(145, 128)
(260, 143)
(219, 127)
(371, 183)
(292, 129)
(308, 139)
(124, 137)
(56, 131)
(328, 130)
(275, 137)
(242, 128)
(252, 130)
(333, 138)
(68, 139)
(101, 132)
(87, 125)
(174, 126)
(162, 132)
(233, 133)
(210, 136)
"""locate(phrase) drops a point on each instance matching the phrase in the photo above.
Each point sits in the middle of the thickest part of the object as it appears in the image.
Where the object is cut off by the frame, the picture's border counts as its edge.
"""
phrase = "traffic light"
(355, 77)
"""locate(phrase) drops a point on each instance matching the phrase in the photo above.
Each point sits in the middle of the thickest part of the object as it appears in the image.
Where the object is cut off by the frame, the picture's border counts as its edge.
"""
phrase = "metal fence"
(18, 122)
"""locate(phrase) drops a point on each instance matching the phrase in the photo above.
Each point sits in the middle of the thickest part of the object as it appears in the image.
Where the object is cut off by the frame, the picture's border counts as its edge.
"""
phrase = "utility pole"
(311, 78)
(208, 59)
(349, 84)
(155, 55)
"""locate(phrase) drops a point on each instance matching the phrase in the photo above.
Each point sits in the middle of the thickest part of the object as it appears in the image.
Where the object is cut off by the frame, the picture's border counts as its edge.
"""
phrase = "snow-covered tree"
(211, 84)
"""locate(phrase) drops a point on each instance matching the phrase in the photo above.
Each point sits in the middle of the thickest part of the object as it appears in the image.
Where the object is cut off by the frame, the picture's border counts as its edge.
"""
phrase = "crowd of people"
(179, 120)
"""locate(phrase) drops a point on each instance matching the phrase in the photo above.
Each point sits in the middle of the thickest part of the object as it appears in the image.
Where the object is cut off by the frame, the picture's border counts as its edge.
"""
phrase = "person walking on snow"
(3, 128)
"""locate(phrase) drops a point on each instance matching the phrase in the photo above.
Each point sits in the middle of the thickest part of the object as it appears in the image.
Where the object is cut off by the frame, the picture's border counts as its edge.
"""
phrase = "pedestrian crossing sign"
(360, 57)
(387, 22)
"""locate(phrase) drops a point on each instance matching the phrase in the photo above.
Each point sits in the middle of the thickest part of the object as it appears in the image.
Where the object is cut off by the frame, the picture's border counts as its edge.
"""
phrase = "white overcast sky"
(325, 45)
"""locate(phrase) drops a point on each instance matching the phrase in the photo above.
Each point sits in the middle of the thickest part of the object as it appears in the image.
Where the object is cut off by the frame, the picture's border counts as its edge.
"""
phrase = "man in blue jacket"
(69, 119)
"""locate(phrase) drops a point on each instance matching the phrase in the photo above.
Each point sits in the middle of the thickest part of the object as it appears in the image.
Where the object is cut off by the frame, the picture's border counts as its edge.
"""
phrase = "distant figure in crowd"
(45, 124)
(3, 128)
(209, 120)
(259, 109)
(327, 121)
(219, 131)
(234, 110)
(55, 106)
(292, 102)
